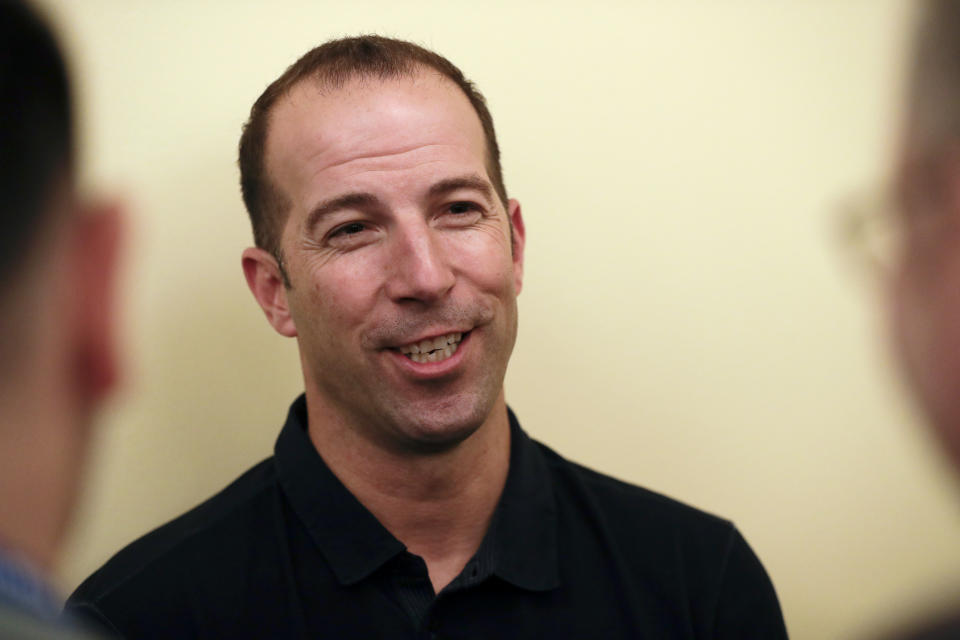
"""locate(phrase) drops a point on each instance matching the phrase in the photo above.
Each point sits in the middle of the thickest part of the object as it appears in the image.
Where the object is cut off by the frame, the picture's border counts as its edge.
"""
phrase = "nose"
(419, 268)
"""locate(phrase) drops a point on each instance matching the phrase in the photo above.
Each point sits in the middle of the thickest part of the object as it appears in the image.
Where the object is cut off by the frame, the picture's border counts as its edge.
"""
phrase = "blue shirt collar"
(23, 588)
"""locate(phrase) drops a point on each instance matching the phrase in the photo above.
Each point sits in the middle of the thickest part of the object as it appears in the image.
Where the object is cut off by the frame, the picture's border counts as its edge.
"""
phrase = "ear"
(95, 253)
(268, 288)
(519, 236)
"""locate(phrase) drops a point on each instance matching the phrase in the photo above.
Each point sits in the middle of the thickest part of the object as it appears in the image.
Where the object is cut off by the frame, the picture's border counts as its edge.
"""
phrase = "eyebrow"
(472, 181)
(364, 200)
(346, 201)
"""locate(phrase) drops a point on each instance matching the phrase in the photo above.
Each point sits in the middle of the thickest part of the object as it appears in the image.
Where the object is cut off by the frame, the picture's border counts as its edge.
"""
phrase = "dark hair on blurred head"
(334, 64)
(934, 80)
(36, 129)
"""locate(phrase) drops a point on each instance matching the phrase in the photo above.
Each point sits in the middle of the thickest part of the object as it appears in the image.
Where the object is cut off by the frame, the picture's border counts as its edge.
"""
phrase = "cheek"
(335, 298)
(904, 323)
(484, 259)
(925, 318)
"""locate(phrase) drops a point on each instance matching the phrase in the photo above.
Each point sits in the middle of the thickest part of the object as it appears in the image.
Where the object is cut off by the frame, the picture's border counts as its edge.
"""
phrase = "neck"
(439, 505)
(40, 462)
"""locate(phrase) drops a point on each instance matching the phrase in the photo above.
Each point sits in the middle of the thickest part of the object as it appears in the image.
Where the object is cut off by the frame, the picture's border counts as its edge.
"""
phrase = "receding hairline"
(328, 84)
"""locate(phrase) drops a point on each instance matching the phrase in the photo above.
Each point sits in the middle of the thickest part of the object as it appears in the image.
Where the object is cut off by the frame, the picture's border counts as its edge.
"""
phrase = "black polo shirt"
(286, 551)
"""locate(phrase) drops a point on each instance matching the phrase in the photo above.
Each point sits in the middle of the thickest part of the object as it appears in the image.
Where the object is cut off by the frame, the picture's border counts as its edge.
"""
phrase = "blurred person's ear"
(95, 252)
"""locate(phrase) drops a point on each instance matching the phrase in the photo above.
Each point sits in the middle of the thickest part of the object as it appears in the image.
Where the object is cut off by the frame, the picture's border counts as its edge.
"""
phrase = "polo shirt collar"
(526, 553)
(522, 540)
(352, 540)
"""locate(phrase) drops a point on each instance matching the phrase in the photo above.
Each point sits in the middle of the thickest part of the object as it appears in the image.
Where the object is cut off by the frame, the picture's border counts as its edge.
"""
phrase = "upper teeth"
(432, 344)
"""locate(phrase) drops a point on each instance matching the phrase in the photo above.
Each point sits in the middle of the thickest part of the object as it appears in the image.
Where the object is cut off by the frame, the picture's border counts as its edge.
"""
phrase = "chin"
(434, 429)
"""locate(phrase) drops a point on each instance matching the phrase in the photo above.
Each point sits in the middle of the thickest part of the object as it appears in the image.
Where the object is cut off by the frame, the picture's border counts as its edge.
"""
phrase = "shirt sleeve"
(747, 605)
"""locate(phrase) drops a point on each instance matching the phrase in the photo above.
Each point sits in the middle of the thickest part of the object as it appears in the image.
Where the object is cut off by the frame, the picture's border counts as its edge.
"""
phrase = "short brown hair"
(333, 64)
(36, 131)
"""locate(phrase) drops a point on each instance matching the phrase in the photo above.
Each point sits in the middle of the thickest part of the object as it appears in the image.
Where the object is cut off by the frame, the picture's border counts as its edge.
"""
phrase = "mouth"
(433, 349)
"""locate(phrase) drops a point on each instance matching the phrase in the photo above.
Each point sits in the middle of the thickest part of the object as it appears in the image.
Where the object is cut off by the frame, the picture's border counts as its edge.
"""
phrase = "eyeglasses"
(871, 229)
(880, 226)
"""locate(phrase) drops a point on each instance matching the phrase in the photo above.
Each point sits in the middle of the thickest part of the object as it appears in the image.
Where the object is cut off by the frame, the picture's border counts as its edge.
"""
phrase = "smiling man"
(403, 499)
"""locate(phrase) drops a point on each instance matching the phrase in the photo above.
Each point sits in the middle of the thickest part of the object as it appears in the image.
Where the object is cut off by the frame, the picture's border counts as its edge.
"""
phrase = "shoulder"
(943, 626)
(668, 551)
(161, 557)
(16, 625)
(650, 534)
(627, 505)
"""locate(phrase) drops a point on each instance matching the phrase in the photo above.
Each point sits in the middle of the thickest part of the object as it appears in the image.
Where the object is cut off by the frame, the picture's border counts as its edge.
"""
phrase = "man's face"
(403, 281)
(926, 287)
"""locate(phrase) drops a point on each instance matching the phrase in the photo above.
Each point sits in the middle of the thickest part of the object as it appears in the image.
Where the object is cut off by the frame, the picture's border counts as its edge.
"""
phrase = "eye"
(462, 207)
(460, 214)
(350, 229)
(351, 235)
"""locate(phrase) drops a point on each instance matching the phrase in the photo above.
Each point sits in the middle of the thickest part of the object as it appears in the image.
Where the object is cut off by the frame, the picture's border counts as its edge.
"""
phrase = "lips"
(432, 349)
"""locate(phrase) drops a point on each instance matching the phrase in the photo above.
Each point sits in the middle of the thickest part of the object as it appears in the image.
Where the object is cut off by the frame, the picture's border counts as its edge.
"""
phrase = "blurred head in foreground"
(56, 282)
(925, 285)
(926, 277)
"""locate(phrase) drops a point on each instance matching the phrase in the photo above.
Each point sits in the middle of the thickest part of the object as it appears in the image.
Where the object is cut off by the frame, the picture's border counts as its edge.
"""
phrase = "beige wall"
(688, 322)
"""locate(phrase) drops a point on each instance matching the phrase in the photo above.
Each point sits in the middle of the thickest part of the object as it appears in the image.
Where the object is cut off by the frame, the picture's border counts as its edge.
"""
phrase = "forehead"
(322, 139)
